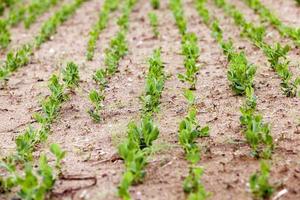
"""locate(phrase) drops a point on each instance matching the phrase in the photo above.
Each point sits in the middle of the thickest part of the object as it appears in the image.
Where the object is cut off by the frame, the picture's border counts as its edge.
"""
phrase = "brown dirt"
(91, 148)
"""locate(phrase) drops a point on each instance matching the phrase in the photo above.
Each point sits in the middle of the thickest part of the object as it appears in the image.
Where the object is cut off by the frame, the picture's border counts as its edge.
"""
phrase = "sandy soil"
(91, 148)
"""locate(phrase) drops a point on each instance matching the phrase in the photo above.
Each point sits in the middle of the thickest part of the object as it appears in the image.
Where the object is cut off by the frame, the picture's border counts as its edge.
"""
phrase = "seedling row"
(31, 173)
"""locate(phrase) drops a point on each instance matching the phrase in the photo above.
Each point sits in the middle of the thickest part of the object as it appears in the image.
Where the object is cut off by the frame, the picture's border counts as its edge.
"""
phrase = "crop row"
(34, 183)
(22, 56)
(277, 54)
(267, 15)
(108, 7)
(6, 4)
(137, 147)
(240, 76)
(189, 129)
(113, 54)
(28, 13)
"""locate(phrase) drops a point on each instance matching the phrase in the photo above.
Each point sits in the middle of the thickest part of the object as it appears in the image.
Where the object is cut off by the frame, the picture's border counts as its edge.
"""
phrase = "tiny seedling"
(154, 84)
(155, 4)
(58, 153)
(192, 185)
(71, 75)
(259, 182)
(154, 23)
(176, 7)
(240, 73)
(189, 131)
(191, 52)
(96, 98)
(190, 97)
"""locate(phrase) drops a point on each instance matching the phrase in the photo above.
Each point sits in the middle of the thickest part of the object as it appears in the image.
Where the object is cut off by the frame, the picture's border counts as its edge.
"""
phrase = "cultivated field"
(149, 99)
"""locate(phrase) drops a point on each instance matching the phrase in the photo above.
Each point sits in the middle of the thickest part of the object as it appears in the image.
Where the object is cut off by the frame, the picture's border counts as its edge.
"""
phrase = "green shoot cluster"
(191, 52)
(257, 132)
(154, 23)
(108, 7)
(134, 151)
(259, 182)
(193, 186)
(15, 60)
(154, 84)
(155, 4)
(189, 131)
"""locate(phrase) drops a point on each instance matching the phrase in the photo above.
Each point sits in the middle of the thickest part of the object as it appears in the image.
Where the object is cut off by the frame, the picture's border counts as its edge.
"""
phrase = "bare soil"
(92, 148)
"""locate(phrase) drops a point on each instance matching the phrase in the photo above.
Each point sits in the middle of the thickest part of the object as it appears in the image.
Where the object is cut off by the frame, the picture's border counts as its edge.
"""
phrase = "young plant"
(189, 131)
(71, 75)
(26, 142)
(191, 52)
(4, 34)
(58, 153)
(8, 181)
(35, 185)
(257, 132)
(96, 99)
(134, 152)
(100, 78)
(155, 4)
(176, 7)
(154, 23)
(203, 11)
(278, 60)
(240, 73)
(154, 84)
(190, 97)
(259, 182)
(117, 50)
(123, 20)
(30, 183)
(192, 185)
(15, 60)
(145, 134)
